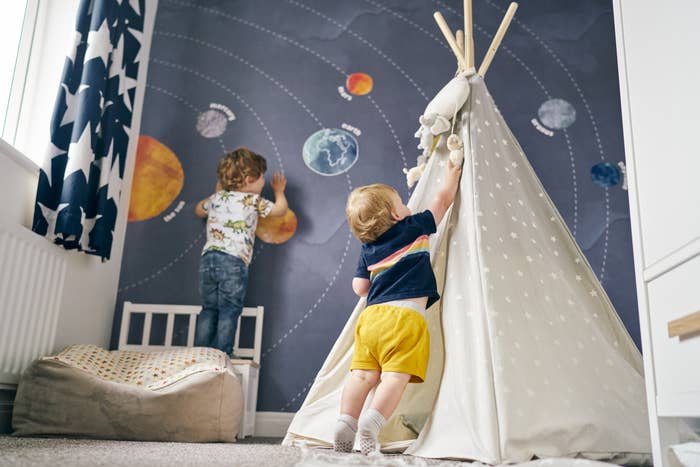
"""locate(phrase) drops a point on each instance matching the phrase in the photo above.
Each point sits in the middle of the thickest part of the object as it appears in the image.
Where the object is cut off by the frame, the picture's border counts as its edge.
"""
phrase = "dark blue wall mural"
(271, 75)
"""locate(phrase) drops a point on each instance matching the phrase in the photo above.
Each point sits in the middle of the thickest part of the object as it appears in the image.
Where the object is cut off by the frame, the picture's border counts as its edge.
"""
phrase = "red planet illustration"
(359, 84)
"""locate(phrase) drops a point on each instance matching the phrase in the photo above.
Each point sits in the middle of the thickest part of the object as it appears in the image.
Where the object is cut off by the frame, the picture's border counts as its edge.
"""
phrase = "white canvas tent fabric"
(528, 356)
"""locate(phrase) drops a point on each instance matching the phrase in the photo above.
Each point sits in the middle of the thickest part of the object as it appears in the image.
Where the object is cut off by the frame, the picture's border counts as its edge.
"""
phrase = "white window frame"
(19, 78)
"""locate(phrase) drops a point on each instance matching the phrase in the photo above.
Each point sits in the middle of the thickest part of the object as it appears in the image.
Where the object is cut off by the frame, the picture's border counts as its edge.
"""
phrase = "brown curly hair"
(238, 164)
(369, 211)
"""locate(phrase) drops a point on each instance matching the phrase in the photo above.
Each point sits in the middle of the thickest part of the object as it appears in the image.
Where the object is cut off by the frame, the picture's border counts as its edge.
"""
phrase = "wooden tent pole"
(497, 38)
(468, 44)
(459, 38)
(450, 38)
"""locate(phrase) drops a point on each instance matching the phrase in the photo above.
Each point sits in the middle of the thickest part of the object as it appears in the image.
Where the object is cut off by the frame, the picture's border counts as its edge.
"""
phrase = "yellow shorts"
(392, 338)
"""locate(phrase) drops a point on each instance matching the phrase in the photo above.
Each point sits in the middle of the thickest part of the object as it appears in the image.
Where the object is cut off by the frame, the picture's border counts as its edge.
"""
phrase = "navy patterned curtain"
(80, 182)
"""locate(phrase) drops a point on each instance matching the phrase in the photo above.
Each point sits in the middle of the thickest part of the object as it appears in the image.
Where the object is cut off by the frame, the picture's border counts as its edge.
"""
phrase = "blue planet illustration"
(557, 114)
(605, 174)
(330, 151)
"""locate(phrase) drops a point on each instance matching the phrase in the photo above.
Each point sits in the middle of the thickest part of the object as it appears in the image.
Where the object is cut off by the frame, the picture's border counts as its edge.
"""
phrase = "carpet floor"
(60, 452)
(265, 452)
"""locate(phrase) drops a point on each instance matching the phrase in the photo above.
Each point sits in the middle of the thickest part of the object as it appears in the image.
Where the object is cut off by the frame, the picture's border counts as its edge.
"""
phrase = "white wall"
(18, 179)
(663, 72)
(90, 292)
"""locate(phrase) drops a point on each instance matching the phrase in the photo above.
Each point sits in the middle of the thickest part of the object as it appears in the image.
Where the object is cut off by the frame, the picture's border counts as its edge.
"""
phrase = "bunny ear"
(441, 125)
(427, 119)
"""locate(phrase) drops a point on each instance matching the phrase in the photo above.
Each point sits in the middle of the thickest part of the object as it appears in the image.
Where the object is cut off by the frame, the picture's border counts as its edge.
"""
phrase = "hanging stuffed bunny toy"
(454, 144)
(436, 120)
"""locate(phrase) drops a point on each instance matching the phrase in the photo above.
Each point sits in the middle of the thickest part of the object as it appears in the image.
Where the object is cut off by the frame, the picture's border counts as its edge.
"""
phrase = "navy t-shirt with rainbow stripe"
(398, 262)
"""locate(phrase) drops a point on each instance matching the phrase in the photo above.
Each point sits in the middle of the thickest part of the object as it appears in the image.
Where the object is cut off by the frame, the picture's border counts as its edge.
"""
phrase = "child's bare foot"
(344, 436)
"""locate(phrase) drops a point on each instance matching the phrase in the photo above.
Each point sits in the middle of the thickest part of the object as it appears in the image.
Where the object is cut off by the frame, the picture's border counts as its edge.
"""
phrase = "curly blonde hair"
(238, 164)
(369, 211)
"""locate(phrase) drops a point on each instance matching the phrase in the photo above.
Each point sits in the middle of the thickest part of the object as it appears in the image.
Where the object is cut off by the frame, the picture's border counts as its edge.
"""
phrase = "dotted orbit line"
(547, 94)
(240, 99)
(258, 70)
(401, 152)
(363, 40)
(532, 74)
(299, 45)
(189, 247)
(347, 246)
(441, 42)
(249, 64)
(199, 237)
(234, 94)
(590, 117)
(299, 394)
(342, 72)
(183, 101)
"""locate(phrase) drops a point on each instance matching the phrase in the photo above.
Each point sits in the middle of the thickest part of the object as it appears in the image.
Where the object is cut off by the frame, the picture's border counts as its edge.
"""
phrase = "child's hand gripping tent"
(528, 356)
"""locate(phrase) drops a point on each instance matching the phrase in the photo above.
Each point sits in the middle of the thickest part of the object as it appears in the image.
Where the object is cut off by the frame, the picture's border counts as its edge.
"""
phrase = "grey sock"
(369, 425)
(344, 436)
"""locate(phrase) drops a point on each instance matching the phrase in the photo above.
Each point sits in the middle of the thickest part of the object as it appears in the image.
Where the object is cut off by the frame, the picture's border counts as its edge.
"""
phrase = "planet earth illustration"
(330, 151)
(212, 123)
(359, 84)
(557, 114)
(277, 229)
(605, 174)
(158, 179)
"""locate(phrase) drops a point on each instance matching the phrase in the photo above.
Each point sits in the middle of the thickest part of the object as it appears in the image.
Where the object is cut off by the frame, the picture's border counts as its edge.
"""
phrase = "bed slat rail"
(171, 311)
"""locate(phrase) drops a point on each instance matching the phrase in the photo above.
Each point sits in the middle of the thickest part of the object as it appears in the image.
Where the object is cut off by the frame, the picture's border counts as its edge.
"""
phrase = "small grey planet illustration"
(557, 114)
(211, 123)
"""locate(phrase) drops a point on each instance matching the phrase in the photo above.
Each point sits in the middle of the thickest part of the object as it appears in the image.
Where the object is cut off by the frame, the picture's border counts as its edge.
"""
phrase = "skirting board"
(272, 424)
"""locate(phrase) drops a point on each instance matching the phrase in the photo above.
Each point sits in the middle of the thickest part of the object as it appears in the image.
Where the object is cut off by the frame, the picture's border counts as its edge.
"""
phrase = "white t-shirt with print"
(232, 217)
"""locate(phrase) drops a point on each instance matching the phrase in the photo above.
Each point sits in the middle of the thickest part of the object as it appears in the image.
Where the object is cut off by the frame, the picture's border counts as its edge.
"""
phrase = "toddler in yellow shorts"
(392, 344)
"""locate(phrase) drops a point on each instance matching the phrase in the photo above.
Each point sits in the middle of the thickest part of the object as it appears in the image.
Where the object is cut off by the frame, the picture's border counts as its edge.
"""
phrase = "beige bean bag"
(186, 395)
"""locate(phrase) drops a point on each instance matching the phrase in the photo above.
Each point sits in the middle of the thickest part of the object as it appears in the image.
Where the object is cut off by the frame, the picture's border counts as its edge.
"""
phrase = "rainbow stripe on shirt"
(420, 245)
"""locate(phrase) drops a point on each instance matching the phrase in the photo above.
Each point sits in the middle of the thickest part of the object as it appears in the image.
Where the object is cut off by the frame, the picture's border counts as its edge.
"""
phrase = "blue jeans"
(223, 280)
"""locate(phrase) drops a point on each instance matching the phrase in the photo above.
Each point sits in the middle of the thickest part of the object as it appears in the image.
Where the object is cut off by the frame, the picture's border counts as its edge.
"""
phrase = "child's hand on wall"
(279, 182)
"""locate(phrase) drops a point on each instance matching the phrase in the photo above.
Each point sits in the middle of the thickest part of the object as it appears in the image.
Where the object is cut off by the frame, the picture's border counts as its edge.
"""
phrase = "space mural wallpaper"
(330, 93)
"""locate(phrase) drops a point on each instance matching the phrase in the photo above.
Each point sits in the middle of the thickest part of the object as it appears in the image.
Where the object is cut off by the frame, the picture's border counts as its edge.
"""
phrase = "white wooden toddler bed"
(146, 391)
(246, 367)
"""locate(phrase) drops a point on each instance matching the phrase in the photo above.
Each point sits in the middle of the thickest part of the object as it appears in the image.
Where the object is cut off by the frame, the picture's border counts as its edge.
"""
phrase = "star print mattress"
(184, 395)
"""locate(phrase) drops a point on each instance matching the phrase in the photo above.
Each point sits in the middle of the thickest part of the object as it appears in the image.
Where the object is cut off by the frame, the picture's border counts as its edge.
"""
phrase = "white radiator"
(31, 285)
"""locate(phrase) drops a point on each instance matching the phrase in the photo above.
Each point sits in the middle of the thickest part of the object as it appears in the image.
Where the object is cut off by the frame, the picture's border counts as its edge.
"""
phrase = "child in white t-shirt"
(232, 217)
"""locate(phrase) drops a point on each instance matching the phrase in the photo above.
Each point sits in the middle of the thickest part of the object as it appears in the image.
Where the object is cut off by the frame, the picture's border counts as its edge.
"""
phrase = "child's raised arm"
(278, 184)
(446, 195)
(199, 208)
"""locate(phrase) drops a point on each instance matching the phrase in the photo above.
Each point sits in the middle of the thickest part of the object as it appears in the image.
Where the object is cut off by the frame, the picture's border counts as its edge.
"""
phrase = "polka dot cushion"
(149, 370)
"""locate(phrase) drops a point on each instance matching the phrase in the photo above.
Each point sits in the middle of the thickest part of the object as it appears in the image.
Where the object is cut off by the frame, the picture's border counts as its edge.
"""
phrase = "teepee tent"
(528, 356)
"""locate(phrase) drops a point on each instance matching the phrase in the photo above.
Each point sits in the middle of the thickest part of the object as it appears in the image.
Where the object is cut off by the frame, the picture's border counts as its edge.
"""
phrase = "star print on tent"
(80, 182)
